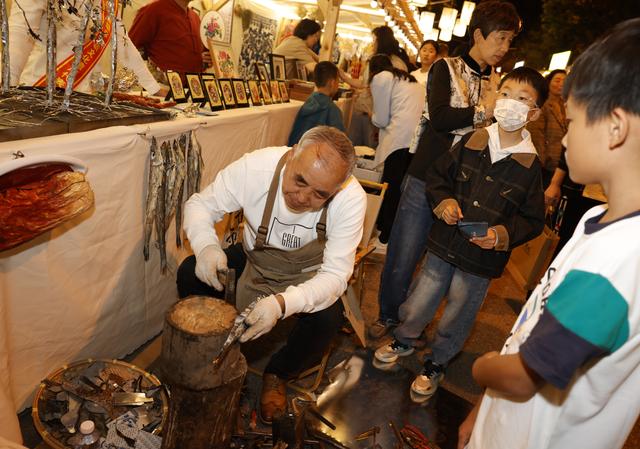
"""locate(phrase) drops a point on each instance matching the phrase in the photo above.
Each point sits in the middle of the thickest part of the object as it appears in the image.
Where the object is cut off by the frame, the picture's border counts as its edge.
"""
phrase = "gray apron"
(271, 270)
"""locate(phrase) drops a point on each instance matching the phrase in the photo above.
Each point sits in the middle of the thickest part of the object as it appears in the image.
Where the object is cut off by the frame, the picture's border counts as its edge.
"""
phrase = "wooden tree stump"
(204, 398)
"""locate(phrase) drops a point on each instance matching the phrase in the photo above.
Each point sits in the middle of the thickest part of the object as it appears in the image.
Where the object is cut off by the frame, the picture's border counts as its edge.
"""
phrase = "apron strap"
(263, 229)
(321, 226)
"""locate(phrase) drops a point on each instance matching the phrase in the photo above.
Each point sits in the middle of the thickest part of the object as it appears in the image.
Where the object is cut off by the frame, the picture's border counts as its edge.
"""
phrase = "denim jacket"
(508, 195)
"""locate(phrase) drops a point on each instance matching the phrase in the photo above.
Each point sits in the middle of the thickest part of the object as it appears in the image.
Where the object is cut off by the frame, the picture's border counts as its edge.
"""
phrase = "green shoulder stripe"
(588, 305)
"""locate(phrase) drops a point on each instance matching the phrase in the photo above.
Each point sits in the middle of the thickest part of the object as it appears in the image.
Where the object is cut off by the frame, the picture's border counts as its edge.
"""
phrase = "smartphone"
(473, 228)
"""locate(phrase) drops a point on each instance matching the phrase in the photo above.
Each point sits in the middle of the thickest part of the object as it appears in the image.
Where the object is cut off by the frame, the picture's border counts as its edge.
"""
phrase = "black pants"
(307, 342)
(395, 167)
(577, 205)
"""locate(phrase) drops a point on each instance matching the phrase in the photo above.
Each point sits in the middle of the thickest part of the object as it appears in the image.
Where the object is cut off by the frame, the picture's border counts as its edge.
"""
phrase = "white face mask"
(511, 114)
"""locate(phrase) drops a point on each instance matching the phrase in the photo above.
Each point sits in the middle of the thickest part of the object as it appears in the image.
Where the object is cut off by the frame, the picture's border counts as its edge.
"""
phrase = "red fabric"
(169, 36)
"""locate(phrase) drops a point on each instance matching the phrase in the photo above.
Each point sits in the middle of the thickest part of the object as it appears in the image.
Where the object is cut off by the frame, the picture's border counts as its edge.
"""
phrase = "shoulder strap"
(263, 229)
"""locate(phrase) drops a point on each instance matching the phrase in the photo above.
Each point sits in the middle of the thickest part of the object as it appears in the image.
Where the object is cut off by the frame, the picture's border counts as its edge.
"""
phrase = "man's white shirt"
(244, 184)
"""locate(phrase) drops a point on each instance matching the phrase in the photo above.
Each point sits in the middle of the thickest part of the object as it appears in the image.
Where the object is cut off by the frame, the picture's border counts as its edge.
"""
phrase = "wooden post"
(204, 398)
(332, 8)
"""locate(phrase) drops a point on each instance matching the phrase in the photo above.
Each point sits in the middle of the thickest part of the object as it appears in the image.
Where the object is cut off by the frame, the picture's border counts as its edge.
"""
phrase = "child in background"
(319, 109)
(568, 375)
(492, 175)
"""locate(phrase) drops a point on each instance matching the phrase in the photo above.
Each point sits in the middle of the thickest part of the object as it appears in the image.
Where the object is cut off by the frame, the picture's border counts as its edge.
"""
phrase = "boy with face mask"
(493, 178)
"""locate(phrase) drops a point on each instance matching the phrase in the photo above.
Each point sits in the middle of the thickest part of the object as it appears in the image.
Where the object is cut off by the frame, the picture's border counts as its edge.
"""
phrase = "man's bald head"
(317, 168)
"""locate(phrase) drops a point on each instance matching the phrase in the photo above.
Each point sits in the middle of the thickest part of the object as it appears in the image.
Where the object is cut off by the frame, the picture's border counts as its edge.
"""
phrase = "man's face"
(313, 174)
(494, 47)
(584, 143)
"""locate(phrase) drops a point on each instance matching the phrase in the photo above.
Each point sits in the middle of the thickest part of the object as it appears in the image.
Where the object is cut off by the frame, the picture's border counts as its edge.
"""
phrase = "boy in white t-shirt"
(568, 375)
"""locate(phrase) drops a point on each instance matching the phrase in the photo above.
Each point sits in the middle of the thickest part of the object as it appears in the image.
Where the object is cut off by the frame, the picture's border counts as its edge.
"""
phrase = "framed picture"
(175, 84)
(285, 29)
(261, 72)
(254, 90)
(216, 24)
(266, 95)
(275, 91)
(284, 93)
(213, 94)
(240, 93)
(278, 67)
(226, 88)
(195, 88)
(301, 71)
(222, 59)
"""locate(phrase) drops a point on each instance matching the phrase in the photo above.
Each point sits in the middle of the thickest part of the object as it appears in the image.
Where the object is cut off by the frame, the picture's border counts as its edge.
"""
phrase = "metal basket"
(57, 375)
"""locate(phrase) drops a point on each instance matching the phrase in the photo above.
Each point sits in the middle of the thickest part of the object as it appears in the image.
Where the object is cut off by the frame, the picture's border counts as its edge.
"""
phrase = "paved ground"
(369, 397)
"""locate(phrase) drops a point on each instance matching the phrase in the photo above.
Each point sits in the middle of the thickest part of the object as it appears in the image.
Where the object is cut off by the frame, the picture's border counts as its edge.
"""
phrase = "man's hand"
(452, 213)
(208, 262)
(488, 241)
(206, 59)
(262, 318)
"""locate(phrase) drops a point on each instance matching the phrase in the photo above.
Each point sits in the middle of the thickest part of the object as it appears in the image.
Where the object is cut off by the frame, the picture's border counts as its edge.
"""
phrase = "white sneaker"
(380, 248)
(427, 382)
(390, 352)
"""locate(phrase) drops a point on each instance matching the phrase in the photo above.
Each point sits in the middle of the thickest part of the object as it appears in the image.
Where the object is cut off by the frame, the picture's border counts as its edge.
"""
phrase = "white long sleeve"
(244, 185)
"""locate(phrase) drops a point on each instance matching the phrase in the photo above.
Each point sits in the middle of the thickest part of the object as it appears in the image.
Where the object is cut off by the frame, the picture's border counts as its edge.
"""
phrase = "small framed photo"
(195, 88)
(175, 84)
(284, 92)
(266, 95)
(213, 94)
(240, 93)
(261, 72)
(226, 87)
(275, 91)
(301, 71)
(254, 90)
(278, 67)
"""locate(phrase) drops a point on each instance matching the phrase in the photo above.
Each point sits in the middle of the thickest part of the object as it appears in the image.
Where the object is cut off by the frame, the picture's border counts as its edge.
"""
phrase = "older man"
(304, 213)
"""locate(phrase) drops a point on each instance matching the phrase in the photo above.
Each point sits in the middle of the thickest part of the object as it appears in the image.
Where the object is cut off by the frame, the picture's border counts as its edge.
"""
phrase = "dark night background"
(551, 26)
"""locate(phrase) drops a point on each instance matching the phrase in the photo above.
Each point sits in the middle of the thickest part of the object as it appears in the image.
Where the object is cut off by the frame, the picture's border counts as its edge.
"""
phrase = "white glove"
(262, 318)
(208, 262)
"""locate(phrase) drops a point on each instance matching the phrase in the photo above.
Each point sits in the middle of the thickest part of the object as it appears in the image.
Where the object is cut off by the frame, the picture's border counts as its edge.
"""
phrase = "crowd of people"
(474, 162)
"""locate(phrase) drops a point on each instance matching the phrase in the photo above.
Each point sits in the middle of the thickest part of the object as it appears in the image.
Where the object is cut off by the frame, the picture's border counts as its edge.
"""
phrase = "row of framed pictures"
(226, 93)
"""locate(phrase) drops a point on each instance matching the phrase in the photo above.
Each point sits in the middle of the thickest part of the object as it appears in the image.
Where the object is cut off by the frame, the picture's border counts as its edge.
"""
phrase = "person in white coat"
(397, 104)
(28, 56)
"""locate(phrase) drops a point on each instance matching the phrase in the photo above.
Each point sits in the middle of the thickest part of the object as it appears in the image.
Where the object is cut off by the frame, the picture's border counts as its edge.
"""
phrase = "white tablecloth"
(83, 289)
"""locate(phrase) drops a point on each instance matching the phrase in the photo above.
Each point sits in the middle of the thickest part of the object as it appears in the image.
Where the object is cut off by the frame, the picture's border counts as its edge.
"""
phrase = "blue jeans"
(465, 293)
(407, 243)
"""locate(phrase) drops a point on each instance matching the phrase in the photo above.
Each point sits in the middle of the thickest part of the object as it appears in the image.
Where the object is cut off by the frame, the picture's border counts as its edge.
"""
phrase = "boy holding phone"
(492, 176)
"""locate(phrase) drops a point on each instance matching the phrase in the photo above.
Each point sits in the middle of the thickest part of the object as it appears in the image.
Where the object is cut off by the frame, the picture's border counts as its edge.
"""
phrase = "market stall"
(84, 289)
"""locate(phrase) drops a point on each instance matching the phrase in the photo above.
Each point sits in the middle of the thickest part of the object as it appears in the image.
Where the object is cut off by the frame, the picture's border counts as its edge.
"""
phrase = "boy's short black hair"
(494, 15)
(305, 28)
(606, 75)
(533, 78)
(324, 72)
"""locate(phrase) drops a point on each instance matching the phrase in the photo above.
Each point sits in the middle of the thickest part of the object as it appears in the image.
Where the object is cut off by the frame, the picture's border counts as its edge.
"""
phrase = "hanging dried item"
(175, 168)
(38, 194)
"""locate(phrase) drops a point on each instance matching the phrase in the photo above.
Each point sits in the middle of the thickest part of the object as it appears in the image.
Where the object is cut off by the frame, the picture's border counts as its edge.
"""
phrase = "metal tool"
(229, 279)
(398, 435)
(236, 332)
(119, 399)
